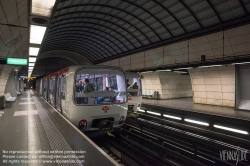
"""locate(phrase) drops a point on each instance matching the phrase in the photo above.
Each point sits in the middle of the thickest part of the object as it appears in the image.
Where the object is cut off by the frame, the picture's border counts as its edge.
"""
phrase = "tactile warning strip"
(56, 140)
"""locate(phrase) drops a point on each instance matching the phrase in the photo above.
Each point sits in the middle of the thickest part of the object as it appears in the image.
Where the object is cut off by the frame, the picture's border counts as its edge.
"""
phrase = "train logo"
(129, 98)
(105, 109)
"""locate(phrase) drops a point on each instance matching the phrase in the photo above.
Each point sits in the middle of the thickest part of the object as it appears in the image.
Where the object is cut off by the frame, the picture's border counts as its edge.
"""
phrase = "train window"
(107, 87)
(134, 86)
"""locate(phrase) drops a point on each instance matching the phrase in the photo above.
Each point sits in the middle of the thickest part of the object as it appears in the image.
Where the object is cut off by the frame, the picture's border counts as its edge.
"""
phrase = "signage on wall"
(17, 61)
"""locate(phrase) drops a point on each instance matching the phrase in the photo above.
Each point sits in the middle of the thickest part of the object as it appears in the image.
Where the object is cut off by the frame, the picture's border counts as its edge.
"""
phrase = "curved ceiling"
(50, 65)
(102, 30)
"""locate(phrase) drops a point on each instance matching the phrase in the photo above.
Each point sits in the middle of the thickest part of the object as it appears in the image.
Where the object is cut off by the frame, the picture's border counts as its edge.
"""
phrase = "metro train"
(101, 109)
(134, 89)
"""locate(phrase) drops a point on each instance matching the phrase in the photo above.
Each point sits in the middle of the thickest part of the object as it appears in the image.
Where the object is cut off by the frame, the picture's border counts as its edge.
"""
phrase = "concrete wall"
(4, 76)
(215, 85)
(10, 86)
(169, 84)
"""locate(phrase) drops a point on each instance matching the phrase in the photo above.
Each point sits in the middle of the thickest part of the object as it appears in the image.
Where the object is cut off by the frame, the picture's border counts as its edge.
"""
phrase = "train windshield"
(134, 86)
(100, 87)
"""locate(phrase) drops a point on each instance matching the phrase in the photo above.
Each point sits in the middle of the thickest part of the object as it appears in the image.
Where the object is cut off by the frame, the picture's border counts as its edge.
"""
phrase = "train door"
(45, 89)
(58, 92)
(63, 94)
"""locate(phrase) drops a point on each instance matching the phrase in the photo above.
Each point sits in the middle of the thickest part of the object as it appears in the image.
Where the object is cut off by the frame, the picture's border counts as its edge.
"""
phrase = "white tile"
(229, 96)
(228, 88)
(199, 40)
(228, 103)
(238, 31)
(202, 47)
(214, 101)
(213, 88)
(214, 95)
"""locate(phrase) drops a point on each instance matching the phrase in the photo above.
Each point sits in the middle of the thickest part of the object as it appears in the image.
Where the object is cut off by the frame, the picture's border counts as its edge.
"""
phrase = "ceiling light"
(147, 72)
(240, 63)
(172, 117)
(215, 65)
(31, 68)
(141, 110)
(180, 72)
(31, 64)
(197, 122)
(36, 34)
(42, 7)
(32, 59)
(184, 68)
(33, 51)
(231, 129)
(164, 70)
(154, 113)
(203, 66)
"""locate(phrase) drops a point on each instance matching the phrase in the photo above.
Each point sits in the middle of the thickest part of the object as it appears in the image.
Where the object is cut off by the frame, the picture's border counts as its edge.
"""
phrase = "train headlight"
(122, 119)
(83, 124)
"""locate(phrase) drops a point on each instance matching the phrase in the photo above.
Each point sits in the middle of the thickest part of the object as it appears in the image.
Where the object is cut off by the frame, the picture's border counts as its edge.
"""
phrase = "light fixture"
(164, 70)
(31, 64)
(42, 7)
(203, 66)
(240, 63)
(147, 72)
(180, 72)
(183, 68)
(231, 129)
(172, 117)
(36, 34)
(215, 65)
(32, 59)
(33, 51)
(197, 122)
(154, 113)
(140, 110)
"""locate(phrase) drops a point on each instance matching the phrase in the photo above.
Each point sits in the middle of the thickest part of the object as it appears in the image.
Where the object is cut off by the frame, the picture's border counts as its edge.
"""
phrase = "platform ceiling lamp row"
(39, 8)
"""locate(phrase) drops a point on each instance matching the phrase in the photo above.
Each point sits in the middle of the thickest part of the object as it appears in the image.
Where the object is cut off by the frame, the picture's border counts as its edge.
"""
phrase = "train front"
(100, 100)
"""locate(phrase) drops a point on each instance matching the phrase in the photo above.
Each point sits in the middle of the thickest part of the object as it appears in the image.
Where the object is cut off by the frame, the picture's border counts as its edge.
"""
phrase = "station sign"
(17, 61)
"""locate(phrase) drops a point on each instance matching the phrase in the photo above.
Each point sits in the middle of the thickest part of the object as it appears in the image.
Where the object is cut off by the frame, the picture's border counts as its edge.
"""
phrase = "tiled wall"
(4, 75)
(237, 42)
(175, 85)
(169, 84)
(215, 85)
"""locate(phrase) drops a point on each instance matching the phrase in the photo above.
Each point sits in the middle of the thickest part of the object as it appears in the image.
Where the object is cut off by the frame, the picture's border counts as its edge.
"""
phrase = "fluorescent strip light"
(32, 59)
(37, 34)
(147, 72)
(33, 51)
(203, 66)
(31, 68)
(184, 68)
(42, 7)
(215, 65)
(180, 72)
(196, 122)
(164, 70)
(141, 110)
(172, 117)
(240, 63)
(31, 64)
(231, 129)
(154, 113)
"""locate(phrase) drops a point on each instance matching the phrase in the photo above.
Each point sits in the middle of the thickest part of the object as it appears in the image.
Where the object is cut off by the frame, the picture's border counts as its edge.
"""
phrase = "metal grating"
(56, 140)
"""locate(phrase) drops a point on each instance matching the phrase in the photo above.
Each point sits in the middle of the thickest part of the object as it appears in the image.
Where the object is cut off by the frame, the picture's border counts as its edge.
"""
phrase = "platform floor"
(188, 105)
(32, 128)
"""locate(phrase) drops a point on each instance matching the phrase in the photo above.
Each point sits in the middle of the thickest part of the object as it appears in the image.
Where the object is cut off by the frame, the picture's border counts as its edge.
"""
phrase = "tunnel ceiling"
(102, 30)
(50, 65)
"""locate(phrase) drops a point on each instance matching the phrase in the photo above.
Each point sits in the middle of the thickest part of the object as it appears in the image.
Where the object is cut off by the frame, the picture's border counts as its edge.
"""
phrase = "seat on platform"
(8, 97)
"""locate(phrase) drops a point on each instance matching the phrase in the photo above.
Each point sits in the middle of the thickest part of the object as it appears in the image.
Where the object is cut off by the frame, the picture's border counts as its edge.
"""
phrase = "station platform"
(34, 133)
(187, 104)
